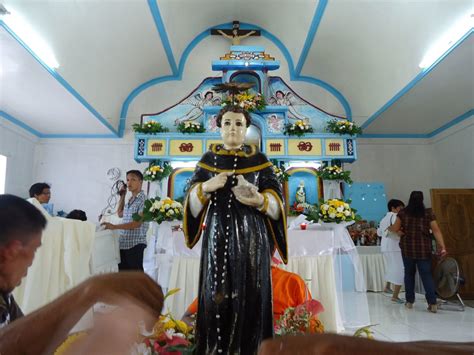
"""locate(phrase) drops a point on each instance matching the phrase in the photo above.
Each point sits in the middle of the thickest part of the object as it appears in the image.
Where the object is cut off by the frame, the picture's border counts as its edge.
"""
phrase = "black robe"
(235, 294)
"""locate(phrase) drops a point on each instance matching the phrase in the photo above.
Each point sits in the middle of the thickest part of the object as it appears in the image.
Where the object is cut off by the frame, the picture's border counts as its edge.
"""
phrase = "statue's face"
(233, 129)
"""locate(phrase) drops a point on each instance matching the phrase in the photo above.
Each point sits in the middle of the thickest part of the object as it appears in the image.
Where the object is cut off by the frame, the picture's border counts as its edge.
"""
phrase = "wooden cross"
(235, 34)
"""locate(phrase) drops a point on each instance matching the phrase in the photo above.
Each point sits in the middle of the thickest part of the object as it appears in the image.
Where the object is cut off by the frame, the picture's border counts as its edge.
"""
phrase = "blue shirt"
(132, 237)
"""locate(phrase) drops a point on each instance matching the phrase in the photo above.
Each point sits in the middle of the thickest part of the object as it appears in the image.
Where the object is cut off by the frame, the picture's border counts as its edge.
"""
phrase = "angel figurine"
(288, 99)
(198, 101)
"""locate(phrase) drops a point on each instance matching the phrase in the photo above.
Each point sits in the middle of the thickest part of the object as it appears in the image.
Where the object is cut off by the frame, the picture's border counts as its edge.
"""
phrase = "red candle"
(204, 226)
(303, 226)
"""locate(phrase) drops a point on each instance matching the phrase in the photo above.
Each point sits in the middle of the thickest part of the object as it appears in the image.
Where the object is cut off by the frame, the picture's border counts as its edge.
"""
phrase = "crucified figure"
(235, 37)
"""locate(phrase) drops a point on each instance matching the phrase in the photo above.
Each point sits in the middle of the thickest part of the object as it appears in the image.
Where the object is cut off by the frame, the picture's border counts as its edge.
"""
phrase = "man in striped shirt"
(132, 233)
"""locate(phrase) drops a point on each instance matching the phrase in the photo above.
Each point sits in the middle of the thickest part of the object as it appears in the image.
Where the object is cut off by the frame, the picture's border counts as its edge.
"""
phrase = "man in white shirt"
(391, 250)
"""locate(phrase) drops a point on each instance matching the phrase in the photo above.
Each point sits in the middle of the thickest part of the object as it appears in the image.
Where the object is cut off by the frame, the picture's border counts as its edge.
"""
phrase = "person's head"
(395, 205)
(134, 181)
(21, 226)
(279, 94)
(415, 207)
(41, 191)
(233, 122)
(209, 95)
(77, 214)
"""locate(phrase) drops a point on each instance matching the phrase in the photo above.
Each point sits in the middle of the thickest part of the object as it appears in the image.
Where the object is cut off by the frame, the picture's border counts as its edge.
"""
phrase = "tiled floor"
(396, 323)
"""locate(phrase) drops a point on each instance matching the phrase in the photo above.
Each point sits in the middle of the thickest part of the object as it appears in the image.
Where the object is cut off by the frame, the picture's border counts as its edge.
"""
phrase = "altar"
(325, 259)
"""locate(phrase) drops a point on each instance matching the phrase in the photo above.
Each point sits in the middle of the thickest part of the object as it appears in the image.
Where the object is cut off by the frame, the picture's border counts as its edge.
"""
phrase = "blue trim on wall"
(160, 26)
(60, 79)
(19, 123)
(415, 81)
(182, 62)
(318, 15)
(437, 131)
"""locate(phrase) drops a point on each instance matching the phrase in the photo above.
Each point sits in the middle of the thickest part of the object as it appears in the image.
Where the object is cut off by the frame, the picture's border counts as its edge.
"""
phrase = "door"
(454, 210)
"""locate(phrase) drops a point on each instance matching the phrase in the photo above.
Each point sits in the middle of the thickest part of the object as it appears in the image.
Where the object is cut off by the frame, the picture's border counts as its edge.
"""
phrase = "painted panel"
(304, 147)
(156, 147)
(178, 183)
(186, 147)
(334, 147)
(368, 198)
(275, 147)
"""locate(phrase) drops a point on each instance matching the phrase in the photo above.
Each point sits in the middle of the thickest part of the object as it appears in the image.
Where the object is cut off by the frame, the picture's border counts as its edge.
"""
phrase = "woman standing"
(416, 221)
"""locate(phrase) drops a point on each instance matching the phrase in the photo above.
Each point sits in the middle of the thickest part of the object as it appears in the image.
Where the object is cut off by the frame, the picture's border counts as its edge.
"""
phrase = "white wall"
(77, 170)
(18, 146)
(403, 165)
(453, 166)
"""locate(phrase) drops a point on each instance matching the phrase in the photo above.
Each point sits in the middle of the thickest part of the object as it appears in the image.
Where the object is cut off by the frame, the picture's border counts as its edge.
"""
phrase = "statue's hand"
(247, 193)
(216, 183)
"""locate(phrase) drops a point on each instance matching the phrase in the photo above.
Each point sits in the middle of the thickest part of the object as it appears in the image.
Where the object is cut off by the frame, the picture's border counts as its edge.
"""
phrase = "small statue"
(301, 193)
(235, 38)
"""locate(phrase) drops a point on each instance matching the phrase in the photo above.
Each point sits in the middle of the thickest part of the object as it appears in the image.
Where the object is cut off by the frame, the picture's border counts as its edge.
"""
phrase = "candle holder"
(303, 226)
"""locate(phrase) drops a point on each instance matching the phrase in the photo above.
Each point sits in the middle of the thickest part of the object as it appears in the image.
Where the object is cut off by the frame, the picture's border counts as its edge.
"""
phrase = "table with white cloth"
(318, 255)
(373, 266)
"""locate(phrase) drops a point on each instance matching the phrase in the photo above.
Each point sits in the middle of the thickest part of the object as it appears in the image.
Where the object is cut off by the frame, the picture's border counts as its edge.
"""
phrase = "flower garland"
(249, 102)
(332, 211)
(334, 173)
(149, 127)
(339, 126)
(157, 171)
(157, 210)
(299, 128)
(191, 127)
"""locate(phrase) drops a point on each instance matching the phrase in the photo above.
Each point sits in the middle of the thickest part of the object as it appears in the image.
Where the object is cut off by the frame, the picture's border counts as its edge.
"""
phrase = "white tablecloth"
(314, 254)
(373, 266)
(60, 263)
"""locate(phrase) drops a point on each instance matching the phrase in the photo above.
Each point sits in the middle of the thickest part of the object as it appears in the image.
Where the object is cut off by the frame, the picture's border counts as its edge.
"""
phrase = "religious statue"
(235, 205)
(301, 193)
(235, 38)
(236, 34)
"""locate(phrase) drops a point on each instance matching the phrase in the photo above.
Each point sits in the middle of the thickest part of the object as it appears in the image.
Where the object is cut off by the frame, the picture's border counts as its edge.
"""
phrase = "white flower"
(169, 333)
(346, 205)
(325, 207)
(347, 213)
(171, 212)
(332, 215)
(340, 209)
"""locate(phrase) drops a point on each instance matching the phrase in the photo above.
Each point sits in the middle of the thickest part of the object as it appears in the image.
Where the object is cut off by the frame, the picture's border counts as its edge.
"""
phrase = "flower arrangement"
(302, 319)
(191, 127)
(300, 208)
(332, 211)
(247, 101)
(299, 128)
(334, 173)
(339, 126)
(149, 127)
(157, 171)
(280, 171)
(169, 336)
(158, 211)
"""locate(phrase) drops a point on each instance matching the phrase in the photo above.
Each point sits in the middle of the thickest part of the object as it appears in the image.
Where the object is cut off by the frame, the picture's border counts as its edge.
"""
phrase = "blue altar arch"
(283, 105)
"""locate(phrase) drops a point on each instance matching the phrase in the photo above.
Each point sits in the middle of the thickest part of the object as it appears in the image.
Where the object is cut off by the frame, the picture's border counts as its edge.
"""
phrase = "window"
(3, 173)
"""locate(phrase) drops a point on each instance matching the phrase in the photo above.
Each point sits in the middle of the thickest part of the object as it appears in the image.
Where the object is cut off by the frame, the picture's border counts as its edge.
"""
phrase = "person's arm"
(129, 225)
(438, 236)
(121, 205)
(247, 34)
(396, 226)
(43, 330)
(225, 34)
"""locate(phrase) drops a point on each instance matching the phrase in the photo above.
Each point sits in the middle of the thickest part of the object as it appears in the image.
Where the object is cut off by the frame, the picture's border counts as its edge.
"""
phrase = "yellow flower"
(162, 209)
(170, 325)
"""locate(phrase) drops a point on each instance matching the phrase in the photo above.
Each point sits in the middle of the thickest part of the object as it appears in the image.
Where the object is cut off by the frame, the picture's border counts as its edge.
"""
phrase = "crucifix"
(235, 34)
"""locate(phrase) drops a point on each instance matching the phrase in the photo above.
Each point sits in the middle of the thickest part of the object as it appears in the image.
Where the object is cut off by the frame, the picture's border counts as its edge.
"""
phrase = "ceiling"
(118, 59)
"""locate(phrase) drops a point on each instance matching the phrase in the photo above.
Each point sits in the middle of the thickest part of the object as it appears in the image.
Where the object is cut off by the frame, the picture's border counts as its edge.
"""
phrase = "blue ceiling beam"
(160, 27)
(416, 80)
(61, 80)
(318, 15)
